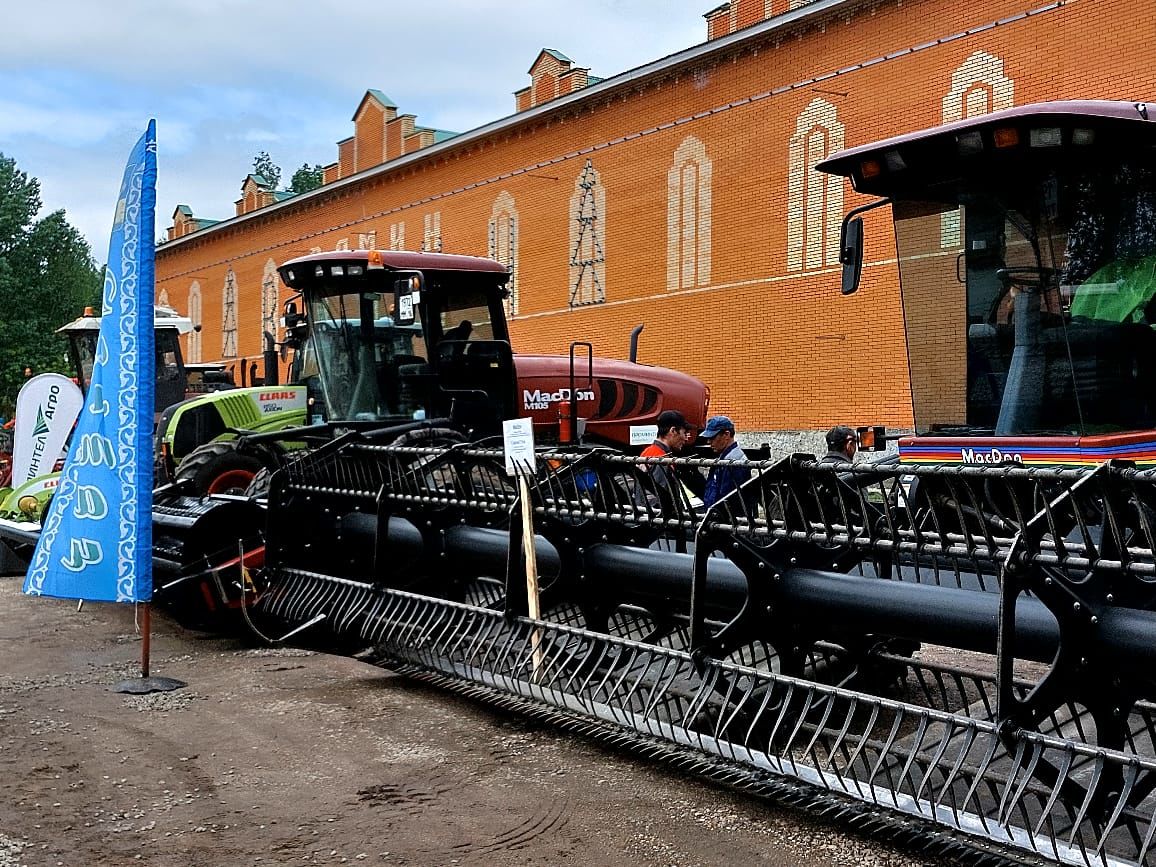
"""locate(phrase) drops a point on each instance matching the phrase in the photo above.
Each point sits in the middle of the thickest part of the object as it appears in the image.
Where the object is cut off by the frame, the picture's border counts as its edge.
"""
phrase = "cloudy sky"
(226, 79)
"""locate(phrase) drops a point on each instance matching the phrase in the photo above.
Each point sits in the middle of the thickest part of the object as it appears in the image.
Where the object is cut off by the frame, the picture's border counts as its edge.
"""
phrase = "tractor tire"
(217, 468)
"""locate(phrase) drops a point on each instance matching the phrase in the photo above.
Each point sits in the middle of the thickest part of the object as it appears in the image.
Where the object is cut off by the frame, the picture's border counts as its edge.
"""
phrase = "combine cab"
(1026, 242)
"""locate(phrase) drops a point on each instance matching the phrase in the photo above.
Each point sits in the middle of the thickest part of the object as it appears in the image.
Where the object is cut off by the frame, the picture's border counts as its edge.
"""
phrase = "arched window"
(229, 316)
(163, 299)
(688, 216)
(814, 200)
(503, 243)
(194, 336)
(587, 230)
(431, 239)
(270, 300)
(978, 86)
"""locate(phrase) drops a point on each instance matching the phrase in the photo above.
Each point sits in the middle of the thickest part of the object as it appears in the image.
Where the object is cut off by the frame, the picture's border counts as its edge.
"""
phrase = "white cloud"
(227, 78)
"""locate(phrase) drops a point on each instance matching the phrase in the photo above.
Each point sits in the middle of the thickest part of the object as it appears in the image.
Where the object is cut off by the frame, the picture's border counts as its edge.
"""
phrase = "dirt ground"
(292, 757)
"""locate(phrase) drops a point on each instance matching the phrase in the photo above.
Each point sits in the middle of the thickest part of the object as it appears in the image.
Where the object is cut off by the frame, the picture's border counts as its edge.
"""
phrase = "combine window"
(1044, 320)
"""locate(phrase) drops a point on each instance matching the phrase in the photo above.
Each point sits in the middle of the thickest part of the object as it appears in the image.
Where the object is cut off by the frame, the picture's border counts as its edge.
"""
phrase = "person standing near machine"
(722, 479)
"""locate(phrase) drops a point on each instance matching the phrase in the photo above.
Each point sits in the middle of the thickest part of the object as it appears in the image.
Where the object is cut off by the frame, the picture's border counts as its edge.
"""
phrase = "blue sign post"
(96, 543)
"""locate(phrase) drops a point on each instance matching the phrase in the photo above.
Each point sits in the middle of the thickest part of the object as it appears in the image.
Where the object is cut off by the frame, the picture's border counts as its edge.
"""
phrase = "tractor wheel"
(217, 468)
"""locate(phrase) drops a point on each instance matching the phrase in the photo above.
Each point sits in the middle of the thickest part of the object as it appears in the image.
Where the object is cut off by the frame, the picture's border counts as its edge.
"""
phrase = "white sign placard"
(643, 434)
(405, 308)
(46, 408)
(518, 443)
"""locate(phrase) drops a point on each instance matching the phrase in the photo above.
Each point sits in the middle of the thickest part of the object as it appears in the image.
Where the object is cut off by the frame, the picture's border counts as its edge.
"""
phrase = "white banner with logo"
(46, 410)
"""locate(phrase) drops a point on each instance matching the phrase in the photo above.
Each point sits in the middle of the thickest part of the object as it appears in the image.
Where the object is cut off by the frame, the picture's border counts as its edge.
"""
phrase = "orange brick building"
(680, 194)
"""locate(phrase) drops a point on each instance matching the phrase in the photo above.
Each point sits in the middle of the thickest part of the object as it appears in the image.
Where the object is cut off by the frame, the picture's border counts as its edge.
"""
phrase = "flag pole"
(146, 633)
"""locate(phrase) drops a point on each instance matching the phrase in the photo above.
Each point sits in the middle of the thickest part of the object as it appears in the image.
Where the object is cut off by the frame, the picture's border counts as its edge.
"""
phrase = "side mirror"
(851, 254)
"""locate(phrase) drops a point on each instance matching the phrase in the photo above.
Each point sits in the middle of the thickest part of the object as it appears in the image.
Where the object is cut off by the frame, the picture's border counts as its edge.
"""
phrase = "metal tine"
(372, 620)
(1098, 763)
(617, 690)
(465, 646)
(836, 746)
(1114, 524)
(1142, 515)
(1008, 803)
(881, 762)
(671, 668)
(1090, 548)
(706, 688)
(573, 654)
(554, 652)
(971, 736)
(984, 527)
(607, 685)
(821, 727)
(580, 680)
(807, 692)
(770, 684)
(389, 618)
(914, 745)
(1146, 845)
(724, 721)
(1130, 778)
(864, 739)
(933, 766)
(980, 774)
(435, 623)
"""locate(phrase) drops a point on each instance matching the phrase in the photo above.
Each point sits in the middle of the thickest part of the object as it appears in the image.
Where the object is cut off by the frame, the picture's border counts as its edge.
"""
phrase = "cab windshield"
(1032, 309)
(359, 351)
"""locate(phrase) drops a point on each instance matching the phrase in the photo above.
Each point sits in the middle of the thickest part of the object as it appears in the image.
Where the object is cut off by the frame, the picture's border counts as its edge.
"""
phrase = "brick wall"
(715, 232)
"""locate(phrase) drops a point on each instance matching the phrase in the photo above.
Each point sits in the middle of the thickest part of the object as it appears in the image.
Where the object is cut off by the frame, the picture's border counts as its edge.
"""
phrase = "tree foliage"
(264, 166)
(47, 277)
(306, 178)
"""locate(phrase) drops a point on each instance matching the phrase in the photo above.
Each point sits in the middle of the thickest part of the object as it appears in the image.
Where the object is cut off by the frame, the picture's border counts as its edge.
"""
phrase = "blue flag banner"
(96, 541)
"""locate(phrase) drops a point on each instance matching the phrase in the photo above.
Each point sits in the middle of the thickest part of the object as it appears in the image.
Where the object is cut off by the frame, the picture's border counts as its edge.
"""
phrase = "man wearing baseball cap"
(720, 433)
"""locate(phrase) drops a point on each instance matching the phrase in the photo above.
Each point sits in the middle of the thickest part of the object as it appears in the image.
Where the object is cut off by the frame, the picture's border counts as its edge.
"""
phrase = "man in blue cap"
(720, 433)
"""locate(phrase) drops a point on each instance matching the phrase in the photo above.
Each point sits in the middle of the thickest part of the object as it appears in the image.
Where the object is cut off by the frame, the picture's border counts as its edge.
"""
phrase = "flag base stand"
(145, 685)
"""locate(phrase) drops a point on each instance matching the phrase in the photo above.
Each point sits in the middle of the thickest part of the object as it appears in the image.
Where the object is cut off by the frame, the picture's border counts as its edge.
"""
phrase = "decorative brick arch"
(814, 200)
(503, 243)
(978, 86)
(195, 316)
(229, 316)
(688, 216)
(587, 234)
(270, 301)
(431, 239)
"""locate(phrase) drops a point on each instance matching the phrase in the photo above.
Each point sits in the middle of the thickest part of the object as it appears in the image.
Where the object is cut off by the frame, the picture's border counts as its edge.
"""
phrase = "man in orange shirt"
(672, 436)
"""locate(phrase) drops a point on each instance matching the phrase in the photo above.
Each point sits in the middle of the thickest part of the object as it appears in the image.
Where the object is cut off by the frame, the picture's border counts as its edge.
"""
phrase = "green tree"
(264, 166)
(47, 277)
(306, 178)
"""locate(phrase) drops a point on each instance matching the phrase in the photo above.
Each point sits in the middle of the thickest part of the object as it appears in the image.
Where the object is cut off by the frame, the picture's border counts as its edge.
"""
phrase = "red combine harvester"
(398, 338)
(1026, 244)
(399, 348)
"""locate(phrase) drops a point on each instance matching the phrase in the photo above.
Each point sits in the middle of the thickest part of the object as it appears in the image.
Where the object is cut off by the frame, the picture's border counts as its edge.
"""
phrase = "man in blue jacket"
(722, 479)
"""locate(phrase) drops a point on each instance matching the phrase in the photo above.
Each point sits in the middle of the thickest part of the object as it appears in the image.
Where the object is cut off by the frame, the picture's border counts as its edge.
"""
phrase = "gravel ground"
(292, 757)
